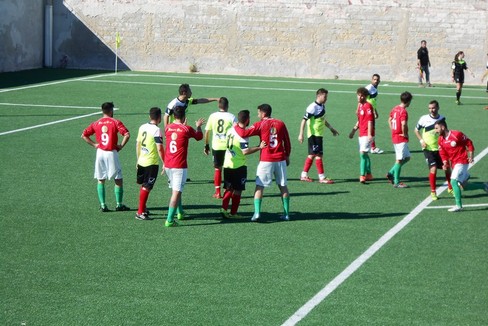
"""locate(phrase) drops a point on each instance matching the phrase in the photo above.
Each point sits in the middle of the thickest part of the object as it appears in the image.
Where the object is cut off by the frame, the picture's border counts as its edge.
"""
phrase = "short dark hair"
(441, 122)
(435, 103)
(179, 112)
(184, 88)
(376, 75)
(243, 116)
(266, 109)
(223, 103)
(363, 91)
(322, 91)
(107, 107)
(406, 97)
(155, 113)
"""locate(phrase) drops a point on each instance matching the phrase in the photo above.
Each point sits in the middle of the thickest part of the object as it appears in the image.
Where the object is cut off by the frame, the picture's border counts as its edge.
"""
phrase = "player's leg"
(280, 174)
(365, 146)
(101, 195)
(309, 160)
(218, 157)
(101, 175)
(459, 88)
(264, 177)
(239, 184)
(459, 176)
(146, 177)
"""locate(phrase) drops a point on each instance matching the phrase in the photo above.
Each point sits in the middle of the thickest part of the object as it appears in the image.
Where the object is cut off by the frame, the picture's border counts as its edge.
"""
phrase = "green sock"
(457, 192)
(362, 163)
(286, 205)
(179, 208)
(368, 164)
(171, 214)
(101, 193)
(257, 206)
(397, 168)
(119, 195)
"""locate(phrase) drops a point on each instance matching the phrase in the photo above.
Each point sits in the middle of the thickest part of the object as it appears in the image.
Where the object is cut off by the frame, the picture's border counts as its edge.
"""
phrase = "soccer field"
(352, 254)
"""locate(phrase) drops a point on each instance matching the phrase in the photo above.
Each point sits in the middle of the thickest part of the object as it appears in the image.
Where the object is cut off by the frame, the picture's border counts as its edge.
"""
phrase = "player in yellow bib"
(315, 121)
(235, 169)
(149, 150)
(218, 124)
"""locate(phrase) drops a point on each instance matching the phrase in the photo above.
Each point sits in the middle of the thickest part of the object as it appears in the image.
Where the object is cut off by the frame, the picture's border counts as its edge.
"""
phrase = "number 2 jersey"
(106, 130)
(177, 136)
(275, 134)
(149, 136)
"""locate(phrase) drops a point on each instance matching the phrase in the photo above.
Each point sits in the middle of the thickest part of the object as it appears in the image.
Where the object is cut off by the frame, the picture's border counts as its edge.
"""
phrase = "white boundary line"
(472, 205)
(354, 266)
(50, 106)
(47, 124)
(263, 88)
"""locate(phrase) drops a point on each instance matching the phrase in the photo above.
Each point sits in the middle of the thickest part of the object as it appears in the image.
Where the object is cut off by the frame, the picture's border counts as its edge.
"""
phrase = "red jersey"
(105, 130)
(177, 137)
(365, 115)
(453, 147)
(398, 115)
(274, 133)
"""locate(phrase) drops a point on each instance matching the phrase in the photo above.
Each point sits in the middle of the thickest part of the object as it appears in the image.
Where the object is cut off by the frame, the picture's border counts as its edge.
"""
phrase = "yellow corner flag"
(117, 40)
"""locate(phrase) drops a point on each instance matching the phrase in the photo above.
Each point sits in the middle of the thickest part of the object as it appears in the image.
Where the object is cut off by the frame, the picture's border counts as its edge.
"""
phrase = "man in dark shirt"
(423, 63)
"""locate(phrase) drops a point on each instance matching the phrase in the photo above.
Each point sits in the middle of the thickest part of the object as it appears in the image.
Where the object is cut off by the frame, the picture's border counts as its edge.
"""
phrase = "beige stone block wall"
(350, 39)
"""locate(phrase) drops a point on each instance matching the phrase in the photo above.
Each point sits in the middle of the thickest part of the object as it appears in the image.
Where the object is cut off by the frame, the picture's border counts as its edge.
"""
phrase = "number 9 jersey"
(105, 130)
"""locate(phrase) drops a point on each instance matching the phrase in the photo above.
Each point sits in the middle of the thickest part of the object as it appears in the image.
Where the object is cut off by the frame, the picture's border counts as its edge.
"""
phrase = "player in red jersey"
(177, 136)
(107, 163)
(273, 160)
(365, 124)
(456, 151)
(398, 122)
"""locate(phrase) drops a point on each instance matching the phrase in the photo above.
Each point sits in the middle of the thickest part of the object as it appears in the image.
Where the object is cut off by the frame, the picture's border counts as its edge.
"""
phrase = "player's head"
(362, 94)
(108, 108)
(441, 127)
(321, 95)
(179, 113)
(184, 90)
(406, 98)
(155, 114)
(223, 104)
(243, 117)
(375, 80)
(434, 108)
(264, 111)
(459, 56)
(423, 43)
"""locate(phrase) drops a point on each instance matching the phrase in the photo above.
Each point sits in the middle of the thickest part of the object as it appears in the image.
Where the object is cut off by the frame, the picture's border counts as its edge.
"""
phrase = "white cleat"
(455, 209)
(255, 218)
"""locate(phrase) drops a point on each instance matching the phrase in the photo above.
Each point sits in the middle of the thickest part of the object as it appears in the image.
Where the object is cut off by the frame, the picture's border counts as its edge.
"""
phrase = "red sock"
(308, 164)
(143, 195)
(432, 181)
(448, 179)
(226, 199)
(320, 165)
(217, 180)
(236, 200)
(373, 145)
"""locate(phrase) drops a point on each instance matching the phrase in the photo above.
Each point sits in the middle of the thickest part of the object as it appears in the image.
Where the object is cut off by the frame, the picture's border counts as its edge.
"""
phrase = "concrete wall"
(350, 39)
(21, 34)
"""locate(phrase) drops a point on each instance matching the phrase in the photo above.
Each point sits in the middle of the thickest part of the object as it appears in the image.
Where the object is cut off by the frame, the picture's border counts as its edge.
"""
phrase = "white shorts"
(460, 172)
(401, 151)
(107, 165)
(266, 171)
(364, 144)
(177, 178)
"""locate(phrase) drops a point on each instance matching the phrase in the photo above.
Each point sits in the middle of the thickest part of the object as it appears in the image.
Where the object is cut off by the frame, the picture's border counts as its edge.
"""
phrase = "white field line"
(262, 88)
(50, 106)
(303, 311)
(47, 124)
(3, 90)
(471, 205)
(294, 81)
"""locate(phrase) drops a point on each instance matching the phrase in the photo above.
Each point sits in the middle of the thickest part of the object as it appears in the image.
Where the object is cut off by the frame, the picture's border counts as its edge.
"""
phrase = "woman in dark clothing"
(457, 73)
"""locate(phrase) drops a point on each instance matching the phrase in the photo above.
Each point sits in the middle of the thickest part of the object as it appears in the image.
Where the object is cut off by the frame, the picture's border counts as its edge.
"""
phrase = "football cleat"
(369, 177)
(390, 178)
(455, 209)
(104, 209)
(362, 179)
(170, 224)
(284, 218)
(255, 217)
(142, 217)
(400, 185)
(376, 150)
(182, 216)
(306, 179)
(450, 192)
(121, 208)
(235, 216)
(326, 181)
(433, 195)
(224, 213)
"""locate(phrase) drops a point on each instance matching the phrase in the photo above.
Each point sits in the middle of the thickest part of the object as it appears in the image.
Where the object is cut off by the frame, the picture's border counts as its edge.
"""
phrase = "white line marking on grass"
(354, 266)
(471, 205)
(262, 88)
(51, 106)
(47, 124)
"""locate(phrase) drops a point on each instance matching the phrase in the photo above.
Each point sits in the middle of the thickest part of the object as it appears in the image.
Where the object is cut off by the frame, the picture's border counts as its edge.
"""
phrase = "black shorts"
(433, 158)
(235, 179)
(147, 175)
(459, 79)
(315, 145)
(218, 158)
